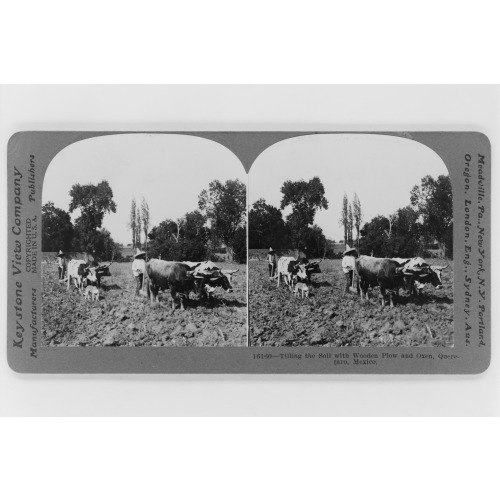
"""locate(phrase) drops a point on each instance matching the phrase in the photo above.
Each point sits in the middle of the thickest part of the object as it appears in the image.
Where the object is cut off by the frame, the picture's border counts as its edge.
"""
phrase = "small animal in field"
(301, 288)
(92, 293)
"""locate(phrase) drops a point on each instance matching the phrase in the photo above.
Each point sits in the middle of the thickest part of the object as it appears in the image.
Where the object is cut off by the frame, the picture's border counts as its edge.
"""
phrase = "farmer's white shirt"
(138, 267)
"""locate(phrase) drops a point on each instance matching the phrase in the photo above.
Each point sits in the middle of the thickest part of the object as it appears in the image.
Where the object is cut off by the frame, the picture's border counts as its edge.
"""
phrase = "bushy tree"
(173, 241)
(93, 201)
(266, 226)
(433, 201)
(398, 235)
(305, 198)
(57, 229)
(224, 205)
(105, 247)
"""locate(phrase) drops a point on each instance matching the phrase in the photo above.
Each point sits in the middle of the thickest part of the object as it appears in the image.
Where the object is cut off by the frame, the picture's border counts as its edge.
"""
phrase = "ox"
(80, 272)
(208, 277)
(290, 268)
(311, 267)
(102, 271)
(417, 273)
(385, 273)
(173, 276)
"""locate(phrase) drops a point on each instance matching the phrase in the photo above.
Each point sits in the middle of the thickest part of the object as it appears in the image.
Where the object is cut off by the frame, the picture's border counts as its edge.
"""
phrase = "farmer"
(139, 269)
(348, 266)
(61, 264)
(271, 262)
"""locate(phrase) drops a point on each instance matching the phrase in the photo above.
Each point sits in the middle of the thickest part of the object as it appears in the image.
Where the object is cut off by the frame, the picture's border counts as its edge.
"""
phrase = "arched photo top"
(168, 170)
(380, 169)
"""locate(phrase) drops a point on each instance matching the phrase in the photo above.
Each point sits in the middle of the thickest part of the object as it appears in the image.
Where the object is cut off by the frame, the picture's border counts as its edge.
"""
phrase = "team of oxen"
(180, 278)
(389, 274)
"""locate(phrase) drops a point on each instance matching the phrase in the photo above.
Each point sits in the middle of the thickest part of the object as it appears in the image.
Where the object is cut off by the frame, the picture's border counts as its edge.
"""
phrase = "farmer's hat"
(271, 250)
(349, 250)
(60, 254)
(139, 253)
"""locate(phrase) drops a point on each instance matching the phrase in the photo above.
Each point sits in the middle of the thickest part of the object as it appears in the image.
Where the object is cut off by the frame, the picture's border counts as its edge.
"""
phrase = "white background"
(263, 41)
(249, 108)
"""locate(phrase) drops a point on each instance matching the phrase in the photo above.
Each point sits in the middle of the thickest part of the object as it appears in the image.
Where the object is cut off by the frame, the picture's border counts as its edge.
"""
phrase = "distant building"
(127, 252)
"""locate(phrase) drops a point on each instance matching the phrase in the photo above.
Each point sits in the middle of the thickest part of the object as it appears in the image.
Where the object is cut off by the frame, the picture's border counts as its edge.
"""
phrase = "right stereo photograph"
(350, 244)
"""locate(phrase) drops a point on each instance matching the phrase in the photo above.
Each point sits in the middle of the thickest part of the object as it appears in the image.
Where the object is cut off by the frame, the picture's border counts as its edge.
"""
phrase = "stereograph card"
(249, 252)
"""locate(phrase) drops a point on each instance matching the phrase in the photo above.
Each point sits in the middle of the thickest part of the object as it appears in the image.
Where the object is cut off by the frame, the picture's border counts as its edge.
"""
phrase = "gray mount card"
(249, 252)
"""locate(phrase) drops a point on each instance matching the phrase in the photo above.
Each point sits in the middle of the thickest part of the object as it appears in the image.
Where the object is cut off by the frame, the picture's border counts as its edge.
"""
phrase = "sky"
(170, 171)
(382, 170)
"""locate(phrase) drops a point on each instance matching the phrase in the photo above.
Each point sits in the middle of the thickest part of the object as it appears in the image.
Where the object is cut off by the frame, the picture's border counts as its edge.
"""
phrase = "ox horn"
(229, 271)
(439, 268)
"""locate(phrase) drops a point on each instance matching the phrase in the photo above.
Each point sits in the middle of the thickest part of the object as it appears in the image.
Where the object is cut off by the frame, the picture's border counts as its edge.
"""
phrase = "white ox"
(80, 271)
(289, 268)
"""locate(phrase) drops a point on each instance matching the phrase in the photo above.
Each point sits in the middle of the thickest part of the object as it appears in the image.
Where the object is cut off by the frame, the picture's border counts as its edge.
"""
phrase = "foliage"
(398, 235)
(93, 201)
(266, 226)
(106, 248)
(358, 216)
(305, 199)
(433, 201)
(131, 223)
(57, 229)
(344, 217)
(224, 205)
(240, 246)
(146, 221)
(173, 241)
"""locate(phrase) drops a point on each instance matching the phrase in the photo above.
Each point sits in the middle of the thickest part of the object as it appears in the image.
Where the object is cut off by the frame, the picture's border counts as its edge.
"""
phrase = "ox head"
(223, 279)
(103, 270)
(313, 267)
(301, 272)
(435, 276)
(91, 275)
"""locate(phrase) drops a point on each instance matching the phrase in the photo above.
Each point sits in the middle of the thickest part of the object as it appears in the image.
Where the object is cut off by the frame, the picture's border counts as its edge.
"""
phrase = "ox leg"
(172, 294)
(382, 295)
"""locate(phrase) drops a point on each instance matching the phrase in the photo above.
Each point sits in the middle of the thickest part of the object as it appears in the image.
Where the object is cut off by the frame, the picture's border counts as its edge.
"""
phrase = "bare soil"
(120, 319)
(325, 318)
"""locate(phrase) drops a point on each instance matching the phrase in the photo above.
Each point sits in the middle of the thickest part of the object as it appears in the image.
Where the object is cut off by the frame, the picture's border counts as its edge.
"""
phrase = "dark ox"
(205, 286)
(208, 277)
(102, 271)
(173, 276)
(384, 273)
(310, 269)
(415, 281)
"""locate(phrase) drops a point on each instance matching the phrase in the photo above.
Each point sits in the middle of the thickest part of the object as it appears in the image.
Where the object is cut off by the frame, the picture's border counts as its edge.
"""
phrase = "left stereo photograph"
(143, 240)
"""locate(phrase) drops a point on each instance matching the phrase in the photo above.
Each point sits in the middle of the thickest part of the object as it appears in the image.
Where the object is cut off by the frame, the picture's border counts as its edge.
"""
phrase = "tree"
(131, 222)
(358, 217)
(350, 224)
(146, 221)
(138, 227)
(105, 247)
(93, 202)
(397, 235)
(185, 242)
(225, 206)
(57, 229)
(266, 227)
(305, 199)
(433, 201)
(373, 238)
(344, 217)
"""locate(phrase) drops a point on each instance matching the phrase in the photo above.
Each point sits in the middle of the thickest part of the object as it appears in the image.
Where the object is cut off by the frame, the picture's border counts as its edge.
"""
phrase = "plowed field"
(277, 318)
(120, 319)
